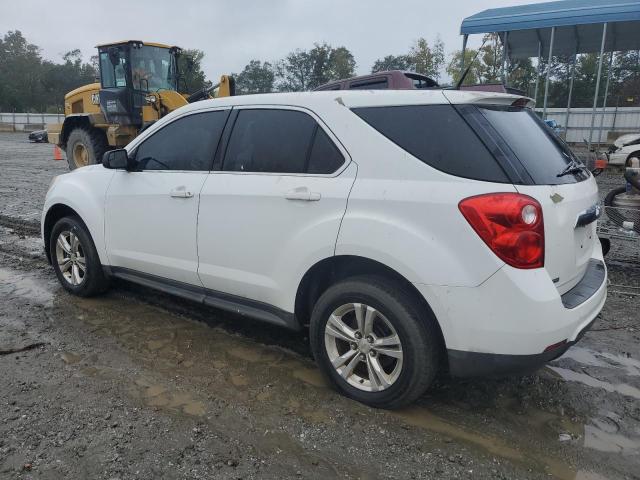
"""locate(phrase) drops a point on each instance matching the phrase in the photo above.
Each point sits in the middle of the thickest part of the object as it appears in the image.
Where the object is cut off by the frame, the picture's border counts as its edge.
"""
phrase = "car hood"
(622, 140)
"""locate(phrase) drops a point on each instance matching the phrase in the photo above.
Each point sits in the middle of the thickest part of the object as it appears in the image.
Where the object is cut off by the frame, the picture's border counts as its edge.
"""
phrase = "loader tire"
(85, 146)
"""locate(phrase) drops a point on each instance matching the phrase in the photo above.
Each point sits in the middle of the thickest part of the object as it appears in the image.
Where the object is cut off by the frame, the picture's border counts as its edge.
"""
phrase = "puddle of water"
(599, 439)
(582, 475)
(239, 380)
(593, 358)
(420, 417)
(70, 358)
(571, 376)
(311, 376)
(604, 435)
(255, 354)
(155, 395)
(13, 283)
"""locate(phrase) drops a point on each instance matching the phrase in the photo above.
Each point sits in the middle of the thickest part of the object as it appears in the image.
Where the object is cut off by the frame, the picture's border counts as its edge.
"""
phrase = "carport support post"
(465, 37)
(595, 96)
(505, 58)
(546, 80)
(535, 92)
(606, 94)
(573, 74)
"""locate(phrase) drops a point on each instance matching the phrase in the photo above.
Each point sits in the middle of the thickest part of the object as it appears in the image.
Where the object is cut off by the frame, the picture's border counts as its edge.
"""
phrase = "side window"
(112, 76)
(275, 141)
(325, 156)
(438, 136)
(372, 84)
(188, 143)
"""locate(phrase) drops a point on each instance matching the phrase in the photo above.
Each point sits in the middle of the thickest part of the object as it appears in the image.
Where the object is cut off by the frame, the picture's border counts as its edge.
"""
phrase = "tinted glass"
(376, 84)
(420, 81)
(438, 136)
(275, 141)
(540, 151)
(188, 143)
(325, 156)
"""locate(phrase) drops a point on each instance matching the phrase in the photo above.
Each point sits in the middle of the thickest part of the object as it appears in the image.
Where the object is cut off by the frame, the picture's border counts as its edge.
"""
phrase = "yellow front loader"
(139, 84)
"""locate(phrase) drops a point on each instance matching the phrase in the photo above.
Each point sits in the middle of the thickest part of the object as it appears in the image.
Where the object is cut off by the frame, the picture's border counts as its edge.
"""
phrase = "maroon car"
(401, 80)
(390, 80)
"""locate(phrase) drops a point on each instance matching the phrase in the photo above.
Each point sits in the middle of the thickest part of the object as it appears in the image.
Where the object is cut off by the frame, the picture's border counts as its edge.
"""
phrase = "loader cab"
(129, 72)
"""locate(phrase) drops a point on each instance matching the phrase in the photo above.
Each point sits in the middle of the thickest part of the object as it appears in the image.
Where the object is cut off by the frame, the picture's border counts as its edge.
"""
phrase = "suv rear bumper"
(516, 320)
(474, 364)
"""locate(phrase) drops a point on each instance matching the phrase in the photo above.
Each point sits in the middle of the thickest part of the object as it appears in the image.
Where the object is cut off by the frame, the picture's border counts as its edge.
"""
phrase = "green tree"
(256, 77)
(20, 73)
(190, 67)
(427, 60)
(487, 67)
(392, 62)
(307, 69)
(475, 72)
(421, 58)
(342, 64)
(60, 78)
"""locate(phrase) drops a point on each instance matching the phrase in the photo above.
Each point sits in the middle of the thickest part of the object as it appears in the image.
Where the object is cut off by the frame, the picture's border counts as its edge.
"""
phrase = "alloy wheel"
(363, 347)
(70, 257)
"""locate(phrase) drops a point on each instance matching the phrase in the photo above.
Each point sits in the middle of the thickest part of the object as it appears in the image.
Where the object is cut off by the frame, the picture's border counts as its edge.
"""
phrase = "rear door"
(151, 214)
(274, 207)
(564, 197)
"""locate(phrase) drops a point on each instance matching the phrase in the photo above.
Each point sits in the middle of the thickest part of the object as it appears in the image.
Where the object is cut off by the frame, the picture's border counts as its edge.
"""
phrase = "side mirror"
(116, 159)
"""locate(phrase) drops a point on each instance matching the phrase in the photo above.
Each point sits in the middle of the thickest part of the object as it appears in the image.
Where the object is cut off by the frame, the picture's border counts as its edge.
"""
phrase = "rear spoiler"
(488, 98)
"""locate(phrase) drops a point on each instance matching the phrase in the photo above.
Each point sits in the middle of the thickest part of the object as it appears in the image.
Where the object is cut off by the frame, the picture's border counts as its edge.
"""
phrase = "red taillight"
(510, 224)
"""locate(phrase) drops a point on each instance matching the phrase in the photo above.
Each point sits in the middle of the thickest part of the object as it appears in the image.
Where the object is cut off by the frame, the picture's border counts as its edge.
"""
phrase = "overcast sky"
(232, 33)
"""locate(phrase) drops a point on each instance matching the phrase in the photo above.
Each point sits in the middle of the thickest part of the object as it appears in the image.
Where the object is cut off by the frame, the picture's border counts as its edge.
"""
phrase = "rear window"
(438, 136)
(542, 153)
(420, 81)
(372, 84)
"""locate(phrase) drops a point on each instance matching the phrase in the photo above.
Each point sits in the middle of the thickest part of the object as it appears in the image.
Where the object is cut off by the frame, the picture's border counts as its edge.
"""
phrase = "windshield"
(153, 68)
(542, 153)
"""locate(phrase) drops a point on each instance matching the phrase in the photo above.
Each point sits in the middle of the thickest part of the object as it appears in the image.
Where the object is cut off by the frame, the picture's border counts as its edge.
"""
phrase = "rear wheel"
(85, 147)
(374, 342)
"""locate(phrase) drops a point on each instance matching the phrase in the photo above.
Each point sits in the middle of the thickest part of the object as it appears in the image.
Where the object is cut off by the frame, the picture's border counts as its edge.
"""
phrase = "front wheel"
(374, 342)
(75, 258)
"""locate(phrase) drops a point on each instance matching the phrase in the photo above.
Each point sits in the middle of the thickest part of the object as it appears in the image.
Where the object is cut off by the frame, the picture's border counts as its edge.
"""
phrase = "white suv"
(410, 231)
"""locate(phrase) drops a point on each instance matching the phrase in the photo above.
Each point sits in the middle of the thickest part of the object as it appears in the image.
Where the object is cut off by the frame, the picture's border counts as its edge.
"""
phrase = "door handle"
(302, 194)
(181, 192)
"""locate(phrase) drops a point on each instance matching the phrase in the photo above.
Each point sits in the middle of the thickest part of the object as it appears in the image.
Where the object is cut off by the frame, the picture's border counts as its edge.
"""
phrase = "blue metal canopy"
(578, 26)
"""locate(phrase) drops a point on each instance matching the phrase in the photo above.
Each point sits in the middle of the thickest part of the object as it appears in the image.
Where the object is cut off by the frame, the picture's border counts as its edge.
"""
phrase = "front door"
(151, 214)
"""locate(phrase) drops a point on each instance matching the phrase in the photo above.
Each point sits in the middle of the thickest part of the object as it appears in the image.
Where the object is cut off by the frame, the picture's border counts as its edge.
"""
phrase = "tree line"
(30, 83)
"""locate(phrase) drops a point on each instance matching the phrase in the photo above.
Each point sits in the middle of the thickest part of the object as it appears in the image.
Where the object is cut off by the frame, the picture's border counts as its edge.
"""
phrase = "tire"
(85, 146)
(619, 216)
(88, 283)
(416, 329)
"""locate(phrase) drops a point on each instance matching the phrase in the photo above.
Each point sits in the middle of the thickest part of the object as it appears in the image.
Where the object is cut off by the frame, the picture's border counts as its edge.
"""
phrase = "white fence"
(29, 121)
(606, 126)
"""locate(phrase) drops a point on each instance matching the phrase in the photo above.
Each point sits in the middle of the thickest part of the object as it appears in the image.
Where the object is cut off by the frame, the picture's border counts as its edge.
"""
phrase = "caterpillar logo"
(95, 98)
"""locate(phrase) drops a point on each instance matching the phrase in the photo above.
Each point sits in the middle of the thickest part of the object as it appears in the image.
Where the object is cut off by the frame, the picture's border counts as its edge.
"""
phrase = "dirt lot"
(138, 385)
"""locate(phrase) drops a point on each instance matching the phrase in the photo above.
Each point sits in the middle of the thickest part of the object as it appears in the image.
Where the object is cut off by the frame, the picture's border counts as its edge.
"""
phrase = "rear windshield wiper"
(572, 167)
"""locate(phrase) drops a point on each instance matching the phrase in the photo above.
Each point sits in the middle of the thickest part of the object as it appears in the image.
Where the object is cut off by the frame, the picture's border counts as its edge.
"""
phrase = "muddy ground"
(135, 384)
